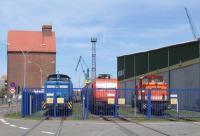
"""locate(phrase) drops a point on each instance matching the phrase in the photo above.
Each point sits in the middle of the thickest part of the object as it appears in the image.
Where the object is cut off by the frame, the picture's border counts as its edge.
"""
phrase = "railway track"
(121, 128)
(33, 128)
(129, 132)
(58, 133)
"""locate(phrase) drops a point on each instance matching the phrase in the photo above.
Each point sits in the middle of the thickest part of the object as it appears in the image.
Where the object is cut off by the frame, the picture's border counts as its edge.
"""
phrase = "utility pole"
(93, 41)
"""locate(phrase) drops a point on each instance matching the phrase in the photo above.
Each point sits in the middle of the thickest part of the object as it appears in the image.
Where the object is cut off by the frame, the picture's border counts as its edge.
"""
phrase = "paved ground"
(18, 127)
(4, 109)
(22, 127)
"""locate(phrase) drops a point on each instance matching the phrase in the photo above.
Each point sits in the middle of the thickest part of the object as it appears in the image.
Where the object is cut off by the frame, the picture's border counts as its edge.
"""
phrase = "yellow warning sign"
(43, 105)
(111, 101)
(174, 101)
(69, 105)
(121, 101)
(60, 100)
(50, 100)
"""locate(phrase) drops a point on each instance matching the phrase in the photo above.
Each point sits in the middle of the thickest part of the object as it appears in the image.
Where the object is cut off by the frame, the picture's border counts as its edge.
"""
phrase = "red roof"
(31, 41)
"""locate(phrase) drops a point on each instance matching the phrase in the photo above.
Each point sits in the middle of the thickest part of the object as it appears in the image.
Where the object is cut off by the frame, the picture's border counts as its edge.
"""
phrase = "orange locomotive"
(103, 90)
(159, 94)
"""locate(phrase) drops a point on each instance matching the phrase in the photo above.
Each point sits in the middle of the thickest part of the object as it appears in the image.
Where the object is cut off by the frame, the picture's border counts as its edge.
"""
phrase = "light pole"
(40, 67)
(25, 53)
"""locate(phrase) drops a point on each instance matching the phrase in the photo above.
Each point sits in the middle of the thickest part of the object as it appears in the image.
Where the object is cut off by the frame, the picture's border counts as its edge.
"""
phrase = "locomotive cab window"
(58, 77)
(147, 80)
(106, 85)
(157, 80)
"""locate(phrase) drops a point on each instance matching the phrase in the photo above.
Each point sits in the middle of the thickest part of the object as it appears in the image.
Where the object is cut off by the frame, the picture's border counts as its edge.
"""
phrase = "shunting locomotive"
(159, 94)
(103, 94)
(58, 95)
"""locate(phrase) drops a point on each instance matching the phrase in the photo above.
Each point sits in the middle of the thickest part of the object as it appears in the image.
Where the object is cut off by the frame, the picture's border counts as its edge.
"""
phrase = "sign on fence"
(121, 101)
(173, 99)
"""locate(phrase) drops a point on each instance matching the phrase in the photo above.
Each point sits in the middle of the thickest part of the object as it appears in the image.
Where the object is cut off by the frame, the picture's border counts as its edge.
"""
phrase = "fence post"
(177, 105)
(135, 102)
(116, 103)
(54, 103)
(149, 104)
(22, 104)
(30, 104)
(83, 116)
(87, 104)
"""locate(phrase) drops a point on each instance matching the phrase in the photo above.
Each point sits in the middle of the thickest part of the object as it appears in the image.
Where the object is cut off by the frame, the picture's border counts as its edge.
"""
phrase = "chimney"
(47, 30)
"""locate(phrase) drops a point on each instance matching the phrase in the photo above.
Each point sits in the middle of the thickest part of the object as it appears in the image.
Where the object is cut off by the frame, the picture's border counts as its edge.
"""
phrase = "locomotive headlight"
(143, 91)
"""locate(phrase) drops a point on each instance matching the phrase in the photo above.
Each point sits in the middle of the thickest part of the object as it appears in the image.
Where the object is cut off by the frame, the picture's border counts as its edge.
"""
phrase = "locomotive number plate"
(110, 94)
(121, 101)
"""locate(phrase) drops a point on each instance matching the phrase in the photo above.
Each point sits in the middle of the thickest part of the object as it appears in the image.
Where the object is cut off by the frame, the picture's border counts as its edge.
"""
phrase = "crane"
(194, 32)
(81, 61)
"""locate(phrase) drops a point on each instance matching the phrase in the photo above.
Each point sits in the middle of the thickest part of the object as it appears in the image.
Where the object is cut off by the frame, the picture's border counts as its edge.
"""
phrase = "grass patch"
(77, 109)
(124, 111)
(128, 111)
(182, 113)
(13, 115)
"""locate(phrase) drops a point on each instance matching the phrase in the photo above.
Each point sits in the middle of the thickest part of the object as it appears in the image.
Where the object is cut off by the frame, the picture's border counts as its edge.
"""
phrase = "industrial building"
(179, 64)
(31, 56)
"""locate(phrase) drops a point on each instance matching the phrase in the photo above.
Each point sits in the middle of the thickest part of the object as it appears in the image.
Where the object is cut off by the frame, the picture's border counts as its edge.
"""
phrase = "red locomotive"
(103, 94)
(159, 94)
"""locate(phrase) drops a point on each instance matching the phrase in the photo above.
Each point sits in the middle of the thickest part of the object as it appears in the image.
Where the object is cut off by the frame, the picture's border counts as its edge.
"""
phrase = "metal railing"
(87, 103)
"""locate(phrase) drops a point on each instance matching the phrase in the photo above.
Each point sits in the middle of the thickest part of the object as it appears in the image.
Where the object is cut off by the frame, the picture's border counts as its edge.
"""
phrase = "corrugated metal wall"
(158, 59)
(133, 65)
(180, 77)
(186, 77)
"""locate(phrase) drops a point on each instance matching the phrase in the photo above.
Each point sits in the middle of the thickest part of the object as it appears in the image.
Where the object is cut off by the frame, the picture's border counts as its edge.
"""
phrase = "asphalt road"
(22, 127)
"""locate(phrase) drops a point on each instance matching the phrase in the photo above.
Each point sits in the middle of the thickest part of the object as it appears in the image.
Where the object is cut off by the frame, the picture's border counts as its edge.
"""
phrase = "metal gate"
(31, 101)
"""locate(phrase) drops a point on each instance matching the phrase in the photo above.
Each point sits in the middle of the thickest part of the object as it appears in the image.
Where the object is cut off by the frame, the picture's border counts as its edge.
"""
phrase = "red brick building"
(31, 56)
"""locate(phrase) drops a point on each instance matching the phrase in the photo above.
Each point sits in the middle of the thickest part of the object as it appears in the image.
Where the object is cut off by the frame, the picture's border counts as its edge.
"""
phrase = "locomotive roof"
(58, 75)
(105, 79)
(153, 76)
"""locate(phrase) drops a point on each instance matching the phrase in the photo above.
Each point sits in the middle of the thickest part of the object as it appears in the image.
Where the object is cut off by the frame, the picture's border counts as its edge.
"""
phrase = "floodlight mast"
(93, 73)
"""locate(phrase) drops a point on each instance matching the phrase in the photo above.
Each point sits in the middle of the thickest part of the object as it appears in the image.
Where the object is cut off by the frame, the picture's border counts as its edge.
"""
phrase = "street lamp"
(25, 53)
(41, 67)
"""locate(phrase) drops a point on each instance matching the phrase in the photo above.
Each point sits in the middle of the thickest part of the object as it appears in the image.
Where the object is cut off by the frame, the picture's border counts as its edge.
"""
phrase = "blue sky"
(121, 26)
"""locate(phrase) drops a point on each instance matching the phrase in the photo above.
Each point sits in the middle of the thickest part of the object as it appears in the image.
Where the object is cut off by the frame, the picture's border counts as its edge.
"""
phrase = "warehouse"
(179, 64)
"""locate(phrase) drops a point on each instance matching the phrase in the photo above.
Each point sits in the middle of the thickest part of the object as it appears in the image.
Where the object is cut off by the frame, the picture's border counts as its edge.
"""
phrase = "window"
(106, 85)
(158, 80)
(147, 80)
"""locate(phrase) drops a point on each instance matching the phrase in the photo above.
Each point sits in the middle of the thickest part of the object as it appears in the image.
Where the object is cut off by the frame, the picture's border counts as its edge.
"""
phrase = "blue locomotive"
(58, 95)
